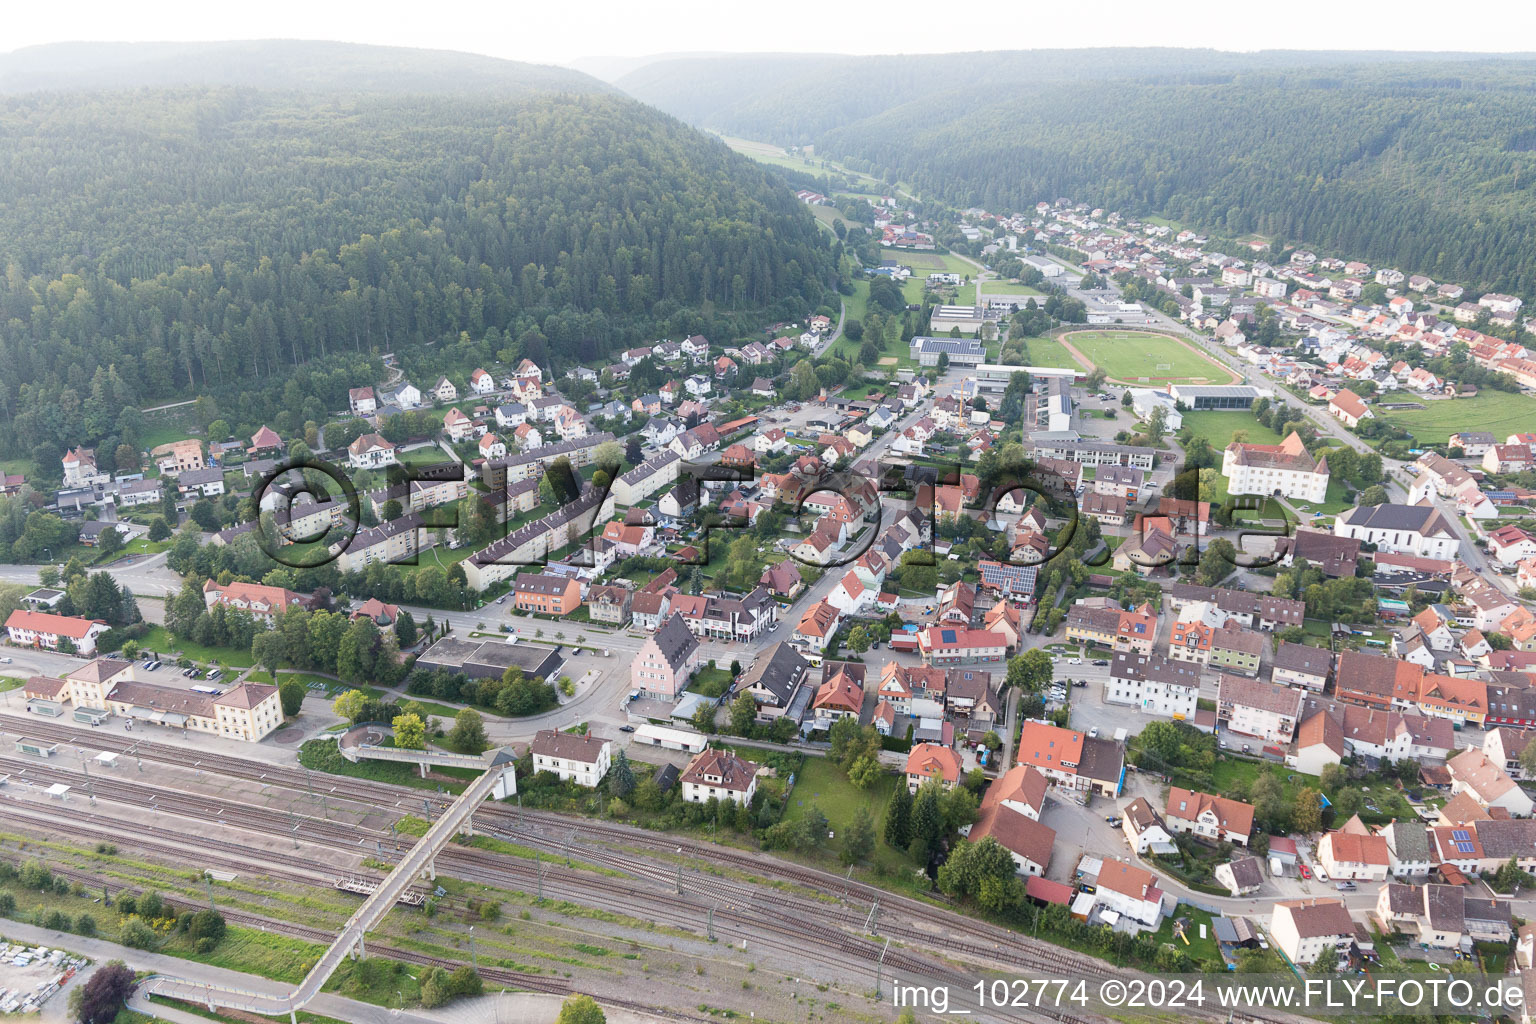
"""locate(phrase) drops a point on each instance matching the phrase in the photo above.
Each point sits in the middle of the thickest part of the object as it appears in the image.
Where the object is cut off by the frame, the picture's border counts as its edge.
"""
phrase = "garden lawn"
(1199, 948)
(1233, 777)
(711, 682)
(1144, 357)
(165, 427)
(1500, 412)
(18, 465)
(1218, 427)
(160, 641)
(321, 686)
(138, 546)
(822, 784)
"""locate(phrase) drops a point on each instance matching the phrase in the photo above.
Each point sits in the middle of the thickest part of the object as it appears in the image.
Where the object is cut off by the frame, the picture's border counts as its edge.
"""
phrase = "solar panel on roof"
(1461, 835)
(1465, 847)
(947, 635)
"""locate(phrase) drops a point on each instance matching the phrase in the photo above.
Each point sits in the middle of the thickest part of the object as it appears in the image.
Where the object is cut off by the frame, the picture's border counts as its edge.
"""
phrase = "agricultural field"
(768, 153)
(1140, 357)
(829, 216)
(1500, 412)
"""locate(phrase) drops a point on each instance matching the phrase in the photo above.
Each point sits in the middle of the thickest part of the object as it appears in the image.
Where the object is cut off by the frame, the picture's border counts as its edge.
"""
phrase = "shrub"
(137, 935)
(207, 925)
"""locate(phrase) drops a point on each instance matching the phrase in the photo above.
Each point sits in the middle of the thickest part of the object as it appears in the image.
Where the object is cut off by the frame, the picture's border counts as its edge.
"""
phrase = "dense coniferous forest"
(163, 243)
(1427, 164)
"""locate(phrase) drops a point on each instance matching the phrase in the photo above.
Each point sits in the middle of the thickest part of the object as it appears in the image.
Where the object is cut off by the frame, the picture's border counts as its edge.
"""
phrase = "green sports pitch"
(1141, 357)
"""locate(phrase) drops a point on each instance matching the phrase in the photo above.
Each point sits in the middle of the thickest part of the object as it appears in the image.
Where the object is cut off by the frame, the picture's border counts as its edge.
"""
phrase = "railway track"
(962, 938)
(164, 842)
(735, 918)
(491, 973)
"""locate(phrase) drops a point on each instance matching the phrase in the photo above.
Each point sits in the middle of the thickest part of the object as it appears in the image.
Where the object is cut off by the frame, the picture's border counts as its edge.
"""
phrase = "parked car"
(1074, 661)
(1305, 871)
(1101, 662)
(626, 728)
(1093, 733)
(1081, 682)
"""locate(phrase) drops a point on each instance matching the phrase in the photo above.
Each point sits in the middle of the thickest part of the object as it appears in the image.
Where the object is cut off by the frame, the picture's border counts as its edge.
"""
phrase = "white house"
(571, 756)
(1131, 892)
(458, 426)
(492, 447)
(45, 629)
(370, 451)
(1304, 928)
(721, 775)
(1210, 817)
(1252, 708)
(1354, 853)
(1474, 772)
(1145, 829)
(481, 383)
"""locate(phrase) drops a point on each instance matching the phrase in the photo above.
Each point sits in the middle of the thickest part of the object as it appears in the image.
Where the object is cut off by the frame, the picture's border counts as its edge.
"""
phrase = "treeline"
(512, 693)
(233, 235)
(323, 640)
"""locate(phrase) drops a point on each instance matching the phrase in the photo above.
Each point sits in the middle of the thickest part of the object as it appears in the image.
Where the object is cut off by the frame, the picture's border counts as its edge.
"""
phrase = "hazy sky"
(553, 33)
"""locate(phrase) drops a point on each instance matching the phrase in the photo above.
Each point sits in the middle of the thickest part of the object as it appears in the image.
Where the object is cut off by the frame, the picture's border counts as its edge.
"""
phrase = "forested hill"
(1429, 169)
(277, 64)
(160, 244)
(1426, 163)
(791, 99)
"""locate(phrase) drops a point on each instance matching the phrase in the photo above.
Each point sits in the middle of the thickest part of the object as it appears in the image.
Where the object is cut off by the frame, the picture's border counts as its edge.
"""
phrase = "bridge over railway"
(497, 779)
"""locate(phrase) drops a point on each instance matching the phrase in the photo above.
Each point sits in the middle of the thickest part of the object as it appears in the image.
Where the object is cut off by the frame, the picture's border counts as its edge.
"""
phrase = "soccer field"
(1500, 412)
(1139, 357)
